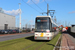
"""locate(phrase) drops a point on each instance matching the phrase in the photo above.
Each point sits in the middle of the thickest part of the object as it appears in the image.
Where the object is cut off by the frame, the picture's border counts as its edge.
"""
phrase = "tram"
(45, 28)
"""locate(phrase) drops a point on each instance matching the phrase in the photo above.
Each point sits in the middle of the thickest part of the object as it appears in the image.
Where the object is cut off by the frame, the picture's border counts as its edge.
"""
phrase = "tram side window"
(53, 27)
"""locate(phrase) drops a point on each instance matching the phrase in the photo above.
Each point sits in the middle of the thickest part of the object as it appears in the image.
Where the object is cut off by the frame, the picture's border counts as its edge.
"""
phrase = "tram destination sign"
(41, 20)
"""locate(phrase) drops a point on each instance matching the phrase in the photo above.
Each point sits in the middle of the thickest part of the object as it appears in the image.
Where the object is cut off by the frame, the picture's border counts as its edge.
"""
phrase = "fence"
(13, 28)
(6, 28)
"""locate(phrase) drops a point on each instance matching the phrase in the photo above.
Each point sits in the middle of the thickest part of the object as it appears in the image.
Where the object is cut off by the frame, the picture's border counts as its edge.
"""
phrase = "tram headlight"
(36, 34)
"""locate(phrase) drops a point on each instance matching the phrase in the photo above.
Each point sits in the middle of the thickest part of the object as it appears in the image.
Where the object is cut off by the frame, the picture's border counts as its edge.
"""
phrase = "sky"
(64, 10)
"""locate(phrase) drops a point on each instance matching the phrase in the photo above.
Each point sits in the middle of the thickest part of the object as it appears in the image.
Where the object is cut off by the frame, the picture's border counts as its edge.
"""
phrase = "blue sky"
(65, 10)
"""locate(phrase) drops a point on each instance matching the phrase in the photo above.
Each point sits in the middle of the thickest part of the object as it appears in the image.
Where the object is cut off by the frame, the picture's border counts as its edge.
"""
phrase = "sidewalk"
(66, 43)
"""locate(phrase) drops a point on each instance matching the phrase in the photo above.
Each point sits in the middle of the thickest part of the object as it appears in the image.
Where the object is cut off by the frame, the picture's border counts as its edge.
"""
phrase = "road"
(10, 37)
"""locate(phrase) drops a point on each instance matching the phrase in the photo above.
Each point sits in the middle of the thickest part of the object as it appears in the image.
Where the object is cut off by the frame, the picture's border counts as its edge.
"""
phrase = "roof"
(7, 14)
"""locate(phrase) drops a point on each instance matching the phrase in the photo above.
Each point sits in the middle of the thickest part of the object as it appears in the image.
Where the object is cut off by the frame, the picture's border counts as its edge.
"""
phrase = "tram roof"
(50, 18)
(44, 16)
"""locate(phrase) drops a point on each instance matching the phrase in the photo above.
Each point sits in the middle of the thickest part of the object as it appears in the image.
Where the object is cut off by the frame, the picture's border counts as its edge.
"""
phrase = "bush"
(23, 30)
(27, 30)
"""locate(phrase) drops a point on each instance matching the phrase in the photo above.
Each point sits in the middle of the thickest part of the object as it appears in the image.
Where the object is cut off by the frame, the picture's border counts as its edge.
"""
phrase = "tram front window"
(42, 24)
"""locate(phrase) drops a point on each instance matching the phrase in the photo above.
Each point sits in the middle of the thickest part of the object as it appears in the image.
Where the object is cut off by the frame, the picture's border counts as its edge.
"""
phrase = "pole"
(65, 23)
(31, 22)
(47, 10)
(68, 23)
(19, 18)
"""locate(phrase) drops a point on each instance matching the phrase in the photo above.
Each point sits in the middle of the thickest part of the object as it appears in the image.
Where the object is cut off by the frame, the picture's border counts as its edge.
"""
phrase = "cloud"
(71, 12)
(12, 12)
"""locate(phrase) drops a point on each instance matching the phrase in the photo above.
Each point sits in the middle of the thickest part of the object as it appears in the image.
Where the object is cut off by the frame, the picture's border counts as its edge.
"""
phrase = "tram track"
(29, 46)
(27, 43)
(33, 45)
(40, 46)
(10, 43)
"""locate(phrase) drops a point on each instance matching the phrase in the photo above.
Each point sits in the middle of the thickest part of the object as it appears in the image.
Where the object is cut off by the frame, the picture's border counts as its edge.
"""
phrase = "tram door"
(6, 26)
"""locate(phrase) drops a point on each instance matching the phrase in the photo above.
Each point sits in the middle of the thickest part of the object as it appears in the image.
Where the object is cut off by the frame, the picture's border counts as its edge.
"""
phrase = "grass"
(21, 43)
(50, 45)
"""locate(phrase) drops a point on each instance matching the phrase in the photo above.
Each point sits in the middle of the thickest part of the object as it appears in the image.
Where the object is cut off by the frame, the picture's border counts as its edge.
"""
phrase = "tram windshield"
(42, 24)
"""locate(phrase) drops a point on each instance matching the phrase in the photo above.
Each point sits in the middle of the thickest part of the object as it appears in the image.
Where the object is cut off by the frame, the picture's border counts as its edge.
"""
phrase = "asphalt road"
(10, 37)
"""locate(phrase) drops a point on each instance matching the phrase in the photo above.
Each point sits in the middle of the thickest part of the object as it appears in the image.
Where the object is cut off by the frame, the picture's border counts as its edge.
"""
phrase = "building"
(7, 21)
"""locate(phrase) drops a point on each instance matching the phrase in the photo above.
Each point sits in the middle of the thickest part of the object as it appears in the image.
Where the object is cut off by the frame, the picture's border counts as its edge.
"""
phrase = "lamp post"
(19, 18)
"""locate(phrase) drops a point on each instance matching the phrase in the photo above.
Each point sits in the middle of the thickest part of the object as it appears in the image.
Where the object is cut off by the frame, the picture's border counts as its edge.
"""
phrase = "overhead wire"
(45, 1)
(36, 5)
(30, 6)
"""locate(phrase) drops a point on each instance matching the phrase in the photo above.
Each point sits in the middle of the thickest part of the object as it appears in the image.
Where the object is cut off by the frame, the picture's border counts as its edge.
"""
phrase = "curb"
(16, 33)
(61, 43)
(57, 42)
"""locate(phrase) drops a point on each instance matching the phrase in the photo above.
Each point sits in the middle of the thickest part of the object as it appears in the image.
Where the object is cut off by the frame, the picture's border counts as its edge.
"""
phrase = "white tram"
(44, 28)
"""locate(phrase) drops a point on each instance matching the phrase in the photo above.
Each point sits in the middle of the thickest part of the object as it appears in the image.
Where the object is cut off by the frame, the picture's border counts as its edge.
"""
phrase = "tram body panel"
(43, 36)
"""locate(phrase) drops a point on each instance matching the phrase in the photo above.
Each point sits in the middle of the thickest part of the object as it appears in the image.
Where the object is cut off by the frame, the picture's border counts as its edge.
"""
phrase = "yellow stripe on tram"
(42, 34)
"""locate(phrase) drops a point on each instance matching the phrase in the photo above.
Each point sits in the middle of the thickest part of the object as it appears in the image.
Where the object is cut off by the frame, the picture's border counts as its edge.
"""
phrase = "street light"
(19, 18)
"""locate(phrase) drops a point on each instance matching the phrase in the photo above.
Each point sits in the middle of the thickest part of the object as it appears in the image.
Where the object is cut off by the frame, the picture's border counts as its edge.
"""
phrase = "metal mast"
(47, 10)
